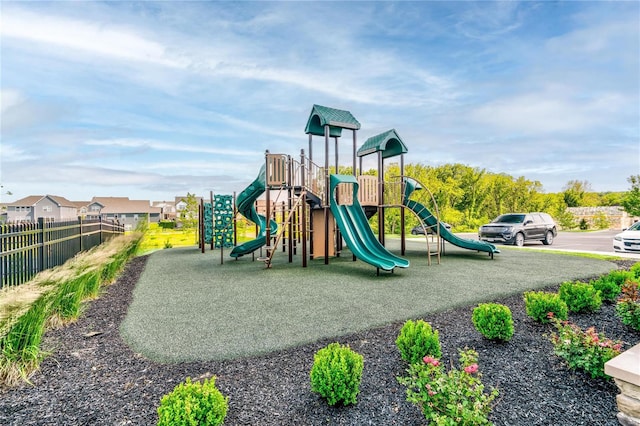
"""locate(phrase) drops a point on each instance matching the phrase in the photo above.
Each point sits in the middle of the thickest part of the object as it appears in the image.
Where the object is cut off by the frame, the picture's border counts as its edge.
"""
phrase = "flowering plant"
(452, 398)
(628, 306)
(587, 350)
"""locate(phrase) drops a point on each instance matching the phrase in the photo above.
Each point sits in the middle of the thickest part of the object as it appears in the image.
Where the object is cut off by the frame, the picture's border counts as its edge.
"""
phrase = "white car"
(629, 240)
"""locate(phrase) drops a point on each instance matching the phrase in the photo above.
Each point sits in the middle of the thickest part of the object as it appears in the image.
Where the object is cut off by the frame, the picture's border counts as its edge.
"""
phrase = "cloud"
(172, 147)
(90, 37)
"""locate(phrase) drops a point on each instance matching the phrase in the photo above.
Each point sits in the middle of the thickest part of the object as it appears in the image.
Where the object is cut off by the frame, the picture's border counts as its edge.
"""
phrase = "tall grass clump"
(20, 351)
(54, 298)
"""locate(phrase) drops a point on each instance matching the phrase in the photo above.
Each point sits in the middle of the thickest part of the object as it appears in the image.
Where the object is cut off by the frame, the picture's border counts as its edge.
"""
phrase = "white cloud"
(172, 147)
(91, 37)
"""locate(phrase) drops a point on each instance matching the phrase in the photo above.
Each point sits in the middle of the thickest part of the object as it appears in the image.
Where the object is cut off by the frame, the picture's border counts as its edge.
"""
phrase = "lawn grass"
(188, 307)
(156, 238)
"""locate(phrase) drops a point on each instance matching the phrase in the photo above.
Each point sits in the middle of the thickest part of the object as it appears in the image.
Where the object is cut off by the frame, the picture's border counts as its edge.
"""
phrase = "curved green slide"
(430, 221)
(246, 207)
(356, 231)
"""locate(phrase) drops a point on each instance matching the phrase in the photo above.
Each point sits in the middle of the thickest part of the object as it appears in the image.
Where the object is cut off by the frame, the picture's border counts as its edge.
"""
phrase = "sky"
(151, 100)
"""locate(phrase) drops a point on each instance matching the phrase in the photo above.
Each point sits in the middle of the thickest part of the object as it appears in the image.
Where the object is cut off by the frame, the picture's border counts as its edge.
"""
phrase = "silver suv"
(516, 228)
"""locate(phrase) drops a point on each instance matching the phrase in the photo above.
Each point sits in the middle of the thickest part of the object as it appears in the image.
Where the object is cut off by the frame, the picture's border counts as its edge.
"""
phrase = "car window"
(509, 218)
(635, 227)
(528, 218)
(537, 218)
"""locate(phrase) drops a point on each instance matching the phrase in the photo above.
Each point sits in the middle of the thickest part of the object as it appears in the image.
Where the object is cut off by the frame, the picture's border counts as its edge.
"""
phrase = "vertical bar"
(213, 222)
(267, 207)
(327, 194)
(201, 225)
(403, 243)
(380, 198)
(304, 209)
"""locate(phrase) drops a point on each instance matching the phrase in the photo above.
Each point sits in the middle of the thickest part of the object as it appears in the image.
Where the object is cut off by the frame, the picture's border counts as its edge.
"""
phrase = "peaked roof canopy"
(337, 120)
(388, 142)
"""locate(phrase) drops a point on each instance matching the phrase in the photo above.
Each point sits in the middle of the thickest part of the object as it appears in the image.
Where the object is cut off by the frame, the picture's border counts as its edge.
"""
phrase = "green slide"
(430, 221)
(246, 207)
(356, 231)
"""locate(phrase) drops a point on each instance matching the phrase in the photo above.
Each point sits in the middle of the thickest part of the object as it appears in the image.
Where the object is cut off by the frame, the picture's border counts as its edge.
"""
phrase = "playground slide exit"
(356, 231)
(430, 221)
(246, 207)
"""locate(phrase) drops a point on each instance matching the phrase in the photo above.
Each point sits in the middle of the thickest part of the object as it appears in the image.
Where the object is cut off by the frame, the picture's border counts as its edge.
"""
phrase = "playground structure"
(318, 208)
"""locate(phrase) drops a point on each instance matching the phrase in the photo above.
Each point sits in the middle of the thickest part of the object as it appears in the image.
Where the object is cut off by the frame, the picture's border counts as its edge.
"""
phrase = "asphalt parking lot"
(594, 241)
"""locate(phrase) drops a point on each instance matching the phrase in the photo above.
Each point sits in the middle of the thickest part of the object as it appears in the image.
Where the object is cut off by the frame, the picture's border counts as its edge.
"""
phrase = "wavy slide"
(356, 231)
(430, 221)
(246, 207)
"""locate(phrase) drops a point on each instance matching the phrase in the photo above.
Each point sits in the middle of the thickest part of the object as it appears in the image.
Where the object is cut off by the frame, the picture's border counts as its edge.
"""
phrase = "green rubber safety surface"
(188, 307)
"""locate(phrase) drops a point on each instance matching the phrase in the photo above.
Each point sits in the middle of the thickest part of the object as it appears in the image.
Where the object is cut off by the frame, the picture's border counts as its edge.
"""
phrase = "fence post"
(41, 247)
(81, 232)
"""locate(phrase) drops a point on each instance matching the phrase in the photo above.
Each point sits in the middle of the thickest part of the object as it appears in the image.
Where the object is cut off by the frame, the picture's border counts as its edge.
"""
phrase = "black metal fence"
(28, 248)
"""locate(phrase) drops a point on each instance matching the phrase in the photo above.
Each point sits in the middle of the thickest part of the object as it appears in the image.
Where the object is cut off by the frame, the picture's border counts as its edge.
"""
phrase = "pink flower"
(431, 393)
(549, 315)
(430, 360)
(470, 369)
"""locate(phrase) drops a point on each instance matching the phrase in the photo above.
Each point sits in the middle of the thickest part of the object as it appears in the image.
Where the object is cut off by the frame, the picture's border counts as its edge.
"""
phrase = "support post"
(327, 194)
(303, 219)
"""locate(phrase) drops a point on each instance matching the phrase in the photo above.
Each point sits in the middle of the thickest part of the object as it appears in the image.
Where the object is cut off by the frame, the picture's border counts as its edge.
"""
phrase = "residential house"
(181, 205)
(123, 210)
(50, 207)
(167, 209)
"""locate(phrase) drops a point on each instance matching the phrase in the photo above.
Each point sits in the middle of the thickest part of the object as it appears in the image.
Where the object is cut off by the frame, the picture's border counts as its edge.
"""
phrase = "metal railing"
(28, 248)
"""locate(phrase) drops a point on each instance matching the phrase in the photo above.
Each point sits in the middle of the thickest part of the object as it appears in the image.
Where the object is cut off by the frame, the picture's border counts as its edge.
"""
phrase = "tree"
(189, 216)
(631, 200)
(575, 192)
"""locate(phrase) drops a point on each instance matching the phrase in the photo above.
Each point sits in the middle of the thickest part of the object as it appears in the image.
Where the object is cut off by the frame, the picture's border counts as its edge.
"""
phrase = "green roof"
(337, 120)
(388, 142)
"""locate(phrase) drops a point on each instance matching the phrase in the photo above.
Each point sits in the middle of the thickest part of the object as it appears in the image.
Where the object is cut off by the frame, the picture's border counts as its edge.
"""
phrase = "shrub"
(628, 306)
(417, 339)
(586, 350)
(336, 374)
(580, 297)
(451, 398)
(193, 404)
(494, 321)
(609, 289)
(167, 244)
(635, 270)
(539, 303)
(583, 225)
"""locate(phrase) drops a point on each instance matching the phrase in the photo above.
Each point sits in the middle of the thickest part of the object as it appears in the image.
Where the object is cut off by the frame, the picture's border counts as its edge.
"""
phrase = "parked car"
(628, 240)
(420, 230)
(516, 228)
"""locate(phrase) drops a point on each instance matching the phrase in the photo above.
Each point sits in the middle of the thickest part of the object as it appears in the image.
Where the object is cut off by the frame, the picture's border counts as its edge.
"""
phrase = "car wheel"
(519, 241)
(548, 238)
(414, 232)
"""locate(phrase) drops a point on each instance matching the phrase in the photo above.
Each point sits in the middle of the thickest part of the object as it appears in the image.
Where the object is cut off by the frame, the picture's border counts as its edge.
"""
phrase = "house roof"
(124, 205)
(389, 143)
(32, 200)
(337, 119)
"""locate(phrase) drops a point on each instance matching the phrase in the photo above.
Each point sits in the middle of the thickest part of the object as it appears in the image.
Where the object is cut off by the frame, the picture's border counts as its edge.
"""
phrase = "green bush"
(167, 224)
(193, 404)
(336, 374)
(635, 270)
(494, 321)
(580, 297)
(417, 339)
(609, 289)
(628, 307)
(539, 304)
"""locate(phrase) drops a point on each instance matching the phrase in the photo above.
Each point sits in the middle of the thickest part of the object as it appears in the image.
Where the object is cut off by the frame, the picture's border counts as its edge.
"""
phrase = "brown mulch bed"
(92, 377)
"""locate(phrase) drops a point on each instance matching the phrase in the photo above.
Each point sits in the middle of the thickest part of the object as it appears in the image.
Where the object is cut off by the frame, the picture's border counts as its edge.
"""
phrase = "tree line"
(468, 197)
